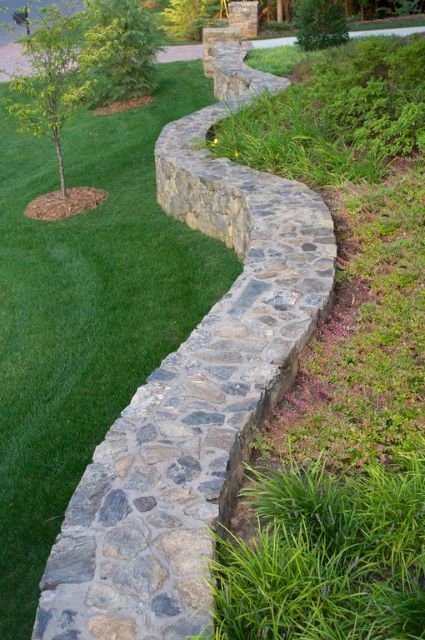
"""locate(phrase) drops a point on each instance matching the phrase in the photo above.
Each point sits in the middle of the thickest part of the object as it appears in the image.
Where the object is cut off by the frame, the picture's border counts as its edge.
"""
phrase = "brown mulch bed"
(52, 206)
(119, 107)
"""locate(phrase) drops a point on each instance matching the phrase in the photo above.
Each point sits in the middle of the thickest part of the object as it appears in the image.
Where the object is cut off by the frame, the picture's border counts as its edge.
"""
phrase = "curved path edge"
(132, 558)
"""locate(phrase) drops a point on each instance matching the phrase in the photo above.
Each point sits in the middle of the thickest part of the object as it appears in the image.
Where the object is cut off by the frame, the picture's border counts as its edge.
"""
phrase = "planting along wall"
(132, 557)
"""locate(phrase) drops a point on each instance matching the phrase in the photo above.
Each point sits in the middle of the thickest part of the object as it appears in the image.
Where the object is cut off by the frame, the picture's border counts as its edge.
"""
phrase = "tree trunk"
(58, 147)
(286, 10)
(279, 8)
(346, 8)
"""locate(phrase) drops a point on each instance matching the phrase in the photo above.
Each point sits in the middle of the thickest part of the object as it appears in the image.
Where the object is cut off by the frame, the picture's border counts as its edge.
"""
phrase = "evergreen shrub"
(321, 24)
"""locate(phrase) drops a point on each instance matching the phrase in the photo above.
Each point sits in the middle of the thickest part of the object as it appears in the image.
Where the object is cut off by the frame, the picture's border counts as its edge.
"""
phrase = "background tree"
(185, 19)
(60, 55)
(283, 10)
(129, 71)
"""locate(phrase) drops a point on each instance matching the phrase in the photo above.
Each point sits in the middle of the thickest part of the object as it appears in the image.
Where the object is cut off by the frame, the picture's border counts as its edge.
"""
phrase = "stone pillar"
(212, 37)
(244, 16)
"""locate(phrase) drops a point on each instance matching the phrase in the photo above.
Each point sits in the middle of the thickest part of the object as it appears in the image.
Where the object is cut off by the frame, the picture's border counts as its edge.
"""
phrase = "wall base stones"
(133, 554)
(244, 16)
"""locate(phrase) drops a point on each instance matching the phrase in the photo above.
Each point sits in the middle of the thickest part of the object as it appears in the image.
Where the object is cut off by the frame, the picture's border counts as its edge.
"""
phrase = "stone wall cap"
(220, 30)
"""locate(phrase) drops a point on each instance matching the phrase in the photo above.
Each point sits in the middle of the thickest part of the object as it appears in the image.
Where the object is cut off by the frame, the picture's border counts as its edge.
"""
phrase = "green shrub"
(129, 71)
(405, 7)
(185, 19)
(321, 24)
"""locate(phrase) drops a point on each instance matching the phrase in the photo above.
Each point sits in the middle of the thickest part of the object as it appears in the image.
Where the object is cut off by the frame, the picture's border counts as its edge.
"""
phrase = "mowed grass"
(89, 306)
(278, 60)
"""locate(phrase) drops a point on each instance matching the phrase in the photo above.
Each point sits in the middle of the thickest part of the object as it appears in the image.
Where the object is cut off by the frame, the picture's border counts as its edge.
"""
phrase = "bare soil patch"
(119, 107)
(52, 206)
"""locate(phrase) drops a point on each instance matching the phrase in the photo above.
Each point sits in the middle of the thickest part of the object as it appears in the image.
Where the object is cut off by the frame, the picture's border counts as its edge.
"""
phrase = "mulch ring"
(52, 206)
(119, 107)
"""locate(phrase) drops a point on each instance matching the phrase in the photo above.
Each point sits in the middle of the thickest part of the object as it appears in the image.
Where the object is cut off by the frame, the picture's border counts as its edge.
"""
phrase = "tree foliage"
(60, 55)
(321, 24)
(129, 71)
(186, 18)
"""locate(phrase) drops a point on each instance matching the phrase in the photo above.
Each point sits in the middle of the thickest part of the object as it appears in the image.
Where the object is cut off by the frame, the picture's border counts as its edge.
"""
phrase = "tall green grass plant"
(338, 558)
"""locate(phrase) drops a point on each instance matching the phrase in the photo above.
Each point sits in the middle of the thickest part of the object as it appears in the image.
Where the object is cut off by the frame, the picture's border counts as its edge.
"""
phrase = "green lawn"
(277, 60)
(395, 24)
(88, 308)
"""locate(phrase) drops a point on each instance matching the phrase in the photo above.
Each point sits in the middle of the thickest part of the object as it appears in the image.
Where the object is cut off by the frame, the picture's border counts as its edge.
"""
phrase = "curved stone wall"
(132, 557)
(234, 79)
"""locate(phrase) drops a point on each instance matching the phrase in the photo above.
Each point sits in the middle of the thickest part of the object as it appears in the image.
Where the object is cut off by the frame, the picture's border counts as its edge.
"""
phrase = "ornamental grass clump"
(336, 559)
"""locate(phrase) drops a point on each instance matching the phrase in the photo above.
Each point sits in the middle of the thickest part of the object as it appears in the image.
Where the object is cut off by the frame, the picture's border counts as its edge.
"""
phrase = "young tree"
(60, 55)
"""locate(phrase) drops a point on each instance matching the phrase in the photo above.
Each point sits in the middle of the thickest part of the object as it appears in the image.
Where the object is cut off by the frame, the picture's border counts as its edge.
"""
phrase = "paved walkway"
(11, 58)
(279, 42)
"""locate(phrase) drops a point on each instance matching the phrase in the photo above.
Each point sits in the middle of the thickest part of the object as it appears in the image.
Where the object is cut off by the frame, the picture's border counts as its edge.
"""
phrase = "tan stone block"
(123, 466)
(111, 628)
(195, 593)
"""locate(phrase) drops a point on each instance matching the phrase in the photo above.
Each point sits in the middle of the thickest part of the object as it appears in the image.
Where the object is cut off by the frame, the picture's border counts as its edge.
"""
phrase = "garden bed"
(352, 423)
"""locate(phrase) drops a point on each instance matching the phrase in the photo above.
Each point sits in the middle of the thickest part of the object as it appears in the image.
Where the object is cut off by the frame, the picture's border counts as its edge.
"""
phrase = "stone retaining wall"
(234, 79)
(210, 39)
(244, 16)
(132, 557)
